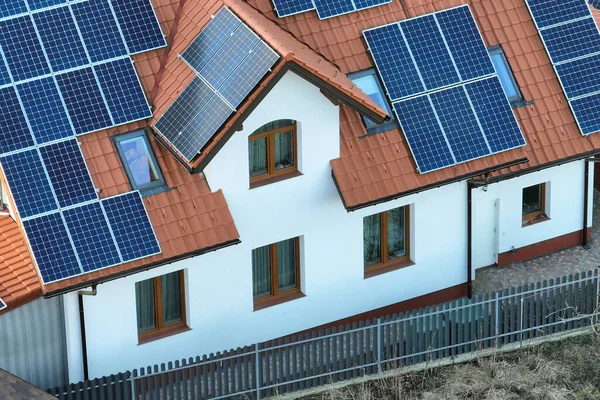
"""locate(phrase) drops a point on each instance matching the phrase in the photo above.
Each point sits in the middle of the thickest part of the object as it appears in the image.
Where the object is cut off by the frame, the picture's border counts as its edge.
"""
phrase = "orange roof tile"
(381, 166)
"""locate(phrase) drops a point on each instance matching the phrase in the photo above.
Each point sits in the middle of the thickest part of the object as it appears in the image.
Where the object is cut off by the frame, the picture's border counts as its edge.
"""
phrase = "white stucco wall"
(219, 284)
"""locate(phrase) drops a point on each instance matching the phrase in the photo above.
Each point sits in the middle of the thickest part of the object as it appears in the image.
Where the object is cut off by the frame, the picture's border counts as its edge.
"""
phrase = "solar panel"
(14, 132)
(51, 247)
(580, 77)
(45, 110)
(2, 305)
(586, 113)
(68, 173)
(572, 40)
(423, 133)
(551, 12)
(595, 4)
(23, 51)
(251, 70)
(39, 4)
(212, 37)
(331, 8)
(495, 114)
(84, 101)
(131, 226)
(122, 90)
(91, 237)
(28, 183)
(285, 8)
(459, 124)
(4, 75)
(12, 7)
(363, 4)
(202, 127)
(99, 30)
(139, 25)
(60, 38)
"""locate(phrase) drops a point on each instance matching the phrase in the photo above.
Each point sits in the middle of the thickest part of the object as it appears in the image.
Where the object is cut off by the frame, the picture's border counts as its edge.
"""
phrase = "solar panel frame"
(366, 4)
(571, 34)
(579, 77)
(132, 29)
(333, 8)
(575, 8)
(285, 8)
(588, 122)
(14, 129)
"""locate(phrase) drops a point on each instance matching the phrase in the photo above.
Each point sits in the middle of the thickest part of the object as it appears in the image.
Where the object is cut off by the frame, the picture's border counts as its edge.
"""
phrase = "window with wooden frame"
(273, 151)
(276, 273)
(160, 304)
(534, 204)
(386, 241)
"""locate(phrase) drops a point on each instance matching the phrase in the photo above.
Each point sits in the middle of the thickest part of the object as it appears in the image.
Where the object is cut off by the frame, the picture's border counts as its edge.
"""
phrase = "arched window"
(273, 150)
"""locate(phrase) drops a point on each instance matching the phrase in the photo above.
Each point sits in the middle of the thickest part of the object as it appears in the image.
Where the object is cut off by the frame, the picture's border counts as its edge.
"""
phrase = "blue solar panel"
(423, 134)
(550, 12)
(131, 226)
(4, 75)
(68, 173)
(460, 124)
(99, 30)
(586, 112)
(331, 8)
(91, 236)
(12, 7)
(393, 61)
(2, 305)
(576, 39)
(202, 127)
(229, 56)
(595, 4)
(23, 51)
(495, 114)
(183, 109)
(60, 38)
(139, 25)
(28, 183)
(39, 4)
(51, 247)
(465, 43)
(83, 100)
(123, 91)
(45, 111)
(430, 52)
(580, 77)
(14, 132)
(362, 4)
(286, 8)
(212, 37)
(248, 74)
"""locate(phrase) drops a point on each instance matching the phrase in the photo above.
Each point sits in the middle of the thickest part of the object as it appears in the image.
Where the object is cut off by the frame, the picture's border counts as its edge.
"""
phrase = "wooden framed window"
(273, 151)
(386, 241)
(276, 273)
(160, 304)
(534, 204)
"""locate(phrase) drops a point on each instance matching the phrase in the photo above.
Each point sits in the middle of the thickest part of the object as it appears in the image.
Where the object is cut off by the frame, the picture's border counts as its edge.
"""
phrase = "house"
(298, 167)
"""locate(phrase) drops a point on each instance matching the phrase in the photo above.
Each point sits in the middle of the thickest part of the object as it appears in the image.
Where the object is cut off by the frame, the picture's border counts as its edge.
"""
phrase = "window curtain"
(396, 233)
(257, 156)
(261, 271)
(286, 264)
(171, 298)
(144, 300)
(284, 150)
(372, 239)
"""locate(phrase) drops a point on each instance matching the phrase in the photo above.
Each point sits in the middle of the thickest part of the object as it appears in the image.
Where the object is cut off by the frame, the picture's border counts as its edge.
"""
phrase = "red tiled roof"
(381, 165)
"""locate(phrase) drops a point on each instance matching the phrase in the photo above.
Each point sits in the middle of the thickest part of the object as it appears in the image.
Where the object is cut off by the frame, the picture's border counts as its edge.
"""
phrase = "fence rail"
(313, 359)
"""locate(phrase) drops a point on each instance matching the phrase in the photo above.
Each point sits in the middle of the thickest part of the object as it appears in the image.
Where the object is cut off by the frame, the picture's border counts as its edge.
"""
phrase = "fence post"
(597, 301)
(132, 376)
(379, 338)
(258, 369)
(497, 315)
(521, 323)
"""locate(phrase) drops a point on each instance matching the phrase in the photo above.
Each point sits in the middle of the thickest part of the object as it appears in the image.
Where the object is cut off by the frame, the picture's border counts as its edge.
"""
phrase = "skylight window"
(368, 82)
(509, 84)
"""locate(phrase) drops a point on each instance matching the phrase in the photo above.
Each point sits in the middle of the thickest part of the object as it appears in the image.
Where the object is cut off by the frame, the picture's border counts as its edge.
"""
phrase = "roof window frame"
(517, 100)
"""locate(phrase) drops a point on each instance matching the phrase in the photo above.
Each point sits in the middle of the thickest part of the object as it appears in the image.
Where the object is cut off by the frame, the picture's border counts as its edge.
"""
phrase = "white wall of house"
(219, 284)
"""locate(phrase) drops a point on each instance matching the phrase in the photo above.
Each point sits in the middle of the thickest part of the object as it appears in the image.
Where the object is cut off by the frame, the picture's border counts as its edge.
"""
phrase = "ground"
(569, 261)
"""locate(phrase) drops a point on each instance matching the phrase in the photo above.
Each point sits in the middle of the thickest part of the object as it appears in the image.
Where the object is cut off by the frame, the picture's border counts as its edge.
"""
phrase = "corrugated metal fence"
(310, 360)
(32, 342)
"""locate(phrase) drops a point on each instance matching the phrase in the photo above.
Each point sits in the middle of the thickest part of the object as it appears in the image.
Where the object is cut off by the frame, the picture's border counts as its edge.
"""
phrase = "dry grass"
(568, 369)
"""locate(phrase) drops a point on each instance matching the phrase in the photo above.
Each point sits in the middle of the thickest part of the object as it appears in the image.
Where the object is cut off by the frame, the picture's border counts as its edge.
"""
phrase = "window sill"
(535, 220)
(385, 268)
(163, 333)
(275, 300)
(276, 178)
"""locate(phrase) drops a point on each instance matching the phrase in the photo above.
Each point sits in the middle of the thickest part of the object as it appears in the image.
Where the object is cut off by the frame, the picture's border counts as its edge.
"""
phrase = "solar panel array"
(572, 41)
(444, 89)
(325, 8)
(229, 60)
(65, 70)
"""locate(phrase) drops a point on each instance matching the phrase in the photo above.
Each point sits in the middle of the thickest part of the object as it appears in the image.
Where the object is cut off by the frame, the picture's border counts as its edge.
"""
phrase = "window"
(160, 304)
(506, 77)
(368, 82)
(534, 204)
(273, 150)
(140, 163)
(386, 241)
(276, 273)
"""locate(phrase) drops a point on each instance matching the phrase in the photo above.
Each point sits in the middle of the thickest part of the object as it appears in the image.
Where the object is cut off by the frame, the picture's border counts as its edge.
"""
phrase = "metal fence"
(310, 360)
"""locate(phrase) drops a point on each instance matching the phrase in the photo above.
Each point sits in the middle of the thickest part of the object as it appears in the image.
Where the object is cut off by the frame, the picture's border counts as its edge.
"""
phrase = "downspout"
(586, 181)
(470, 187)
(80, 295)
